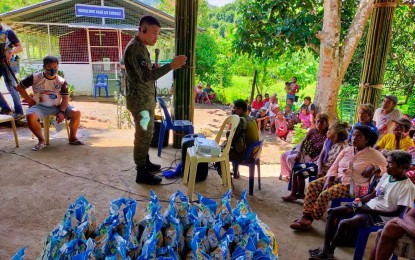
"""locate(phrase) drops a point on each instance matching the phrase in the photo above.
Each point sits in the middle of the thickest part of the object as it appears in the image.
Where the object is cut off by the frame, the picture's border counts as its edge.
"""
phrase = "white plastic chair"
(192, 158)
(7, 118)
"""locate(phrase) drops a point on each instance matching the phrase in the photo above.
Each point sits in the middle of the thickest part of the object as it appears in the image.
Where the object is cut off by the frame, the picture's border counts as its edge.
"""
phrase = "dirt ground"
(37, 187)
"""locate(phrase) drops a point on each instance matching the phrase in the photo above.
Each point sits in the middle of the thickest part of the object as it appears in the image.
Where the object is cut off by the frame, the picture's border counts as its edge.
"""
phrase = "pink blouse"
(347, 164)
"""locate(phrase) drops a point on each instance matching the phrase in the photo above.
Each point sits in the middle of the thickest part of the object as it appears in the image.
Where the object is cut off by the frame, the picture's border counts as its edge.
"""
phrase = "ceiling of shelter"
(61, 13)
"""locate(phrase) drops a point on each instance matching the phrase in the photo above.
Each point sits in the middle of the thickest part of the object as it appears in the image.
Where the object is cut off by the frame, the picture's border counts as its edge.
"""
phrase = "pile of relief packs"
(201, 230)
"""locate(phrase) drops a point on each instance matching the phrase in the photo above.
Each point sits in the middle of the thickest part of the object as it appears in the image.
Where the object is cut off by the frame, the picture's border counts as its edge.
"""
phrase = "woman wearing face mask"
(51, 97)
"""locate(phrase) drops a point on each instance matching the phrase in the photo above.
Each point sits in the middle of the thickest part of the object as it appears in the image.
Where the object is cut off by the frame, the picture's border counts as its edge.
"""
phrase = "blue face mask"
(51, 72)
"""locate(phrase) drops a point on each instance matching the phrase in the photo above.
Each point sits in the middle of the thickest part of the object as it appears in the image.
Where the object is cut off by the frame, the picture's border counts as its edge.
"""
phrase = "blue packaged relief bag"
(80, 215)
(20, 254)
(181, 208)
(153, 220)
(116, 235)
(225, 215)
(206, 210)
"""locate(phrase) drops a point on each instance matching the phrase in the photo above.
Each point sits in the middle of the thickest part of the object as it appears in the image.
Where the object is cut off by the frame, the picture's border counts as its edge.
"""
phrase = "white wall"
(164, 83)
(79, 75)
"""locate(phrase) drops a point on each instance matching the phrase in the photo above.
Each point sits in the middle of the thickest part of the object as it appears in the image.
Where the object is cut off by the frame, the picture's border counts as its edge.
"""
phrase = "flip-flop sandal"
(289, 198)
(299, 227)
(77, 142)
(38, 147)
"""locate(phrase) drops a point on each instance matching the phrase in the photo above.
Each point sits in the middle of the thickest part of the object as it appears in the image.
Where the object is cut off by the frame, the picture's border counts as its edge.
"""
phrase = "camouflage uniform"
(141, 93)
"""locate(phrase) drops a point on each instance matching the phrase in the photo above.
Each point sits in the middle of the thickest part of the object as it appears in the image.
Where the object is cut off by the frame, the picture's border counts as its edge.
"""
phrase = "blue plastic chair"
(362, 238)
(169, 124)
(364, 232)
(251, 161)
(101, 81)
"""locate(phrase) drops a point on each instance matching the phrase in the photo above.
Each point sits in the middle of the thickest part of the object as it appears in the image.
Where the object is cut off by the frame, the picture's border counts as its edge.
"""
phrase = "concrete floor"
(37, 188)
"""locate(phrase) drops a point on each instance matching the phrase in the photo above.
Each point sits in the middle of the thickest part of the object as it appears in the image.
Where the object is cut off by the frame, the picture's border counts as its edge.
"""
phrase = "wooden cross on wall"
(100, 34)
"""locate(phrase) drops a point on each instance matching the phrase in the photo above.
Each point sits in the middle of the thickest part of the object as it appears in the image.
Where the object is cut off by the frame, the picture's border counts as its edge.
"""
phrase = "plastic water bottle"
(356, 204)
(58, 126)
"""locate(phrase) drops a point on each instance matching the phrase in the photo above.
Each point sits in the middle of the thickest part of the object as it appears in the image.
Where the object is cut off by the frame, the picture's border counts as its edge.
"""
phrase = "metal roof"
(62, 13)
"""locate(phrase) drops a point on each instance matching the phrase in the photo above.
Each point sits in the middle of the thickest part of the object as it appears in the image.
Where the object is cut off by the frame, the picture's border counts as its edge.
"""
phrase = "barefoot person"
(141, 93)
(51, 97)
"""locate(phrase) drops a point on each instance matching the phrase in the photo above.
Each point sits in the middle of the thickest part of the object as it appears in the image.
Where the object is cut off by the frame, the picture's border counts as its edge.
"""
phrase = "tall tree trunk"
(328, 82)
(184, 78)
(334, 60)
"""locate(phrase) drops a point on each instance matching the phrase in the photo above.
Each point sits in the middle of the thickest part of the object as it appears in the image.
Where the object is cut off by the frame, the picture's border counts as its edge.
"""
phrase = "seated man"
(262, 119)
(392, 195)
(392, 234)
(50, 98)
(245, 135)
(398, 140)
(209, 94)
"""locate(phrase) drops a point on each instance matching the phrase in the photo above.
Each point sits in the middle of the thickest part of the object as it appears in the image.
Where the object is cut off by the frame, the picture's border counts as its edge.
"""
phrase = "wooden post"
(253, 87)
(377, 46)
(184, 78)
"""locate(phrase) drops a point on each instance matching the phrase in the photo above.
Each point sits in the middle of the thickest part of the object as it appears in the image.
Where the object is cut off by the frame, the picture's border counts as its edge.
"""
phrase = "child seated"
(281, 126)
(199, 93)
(306, 118)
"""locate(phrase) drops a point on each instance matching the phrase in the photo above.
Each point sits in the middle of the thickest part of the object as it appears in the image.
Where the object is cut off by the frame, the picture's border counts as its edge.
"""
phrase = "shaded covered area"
(86, 46)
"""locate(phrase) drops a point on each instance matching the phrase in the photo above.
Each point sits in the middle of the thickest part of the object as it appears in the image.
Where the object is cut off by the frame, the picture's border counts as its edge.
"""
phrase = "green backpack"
(238, 142)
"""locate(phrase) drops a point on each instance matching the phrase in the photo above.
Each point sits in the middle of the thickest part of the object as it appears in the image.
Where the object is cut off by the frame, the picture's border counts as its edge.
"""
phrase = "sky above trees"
(220, 2)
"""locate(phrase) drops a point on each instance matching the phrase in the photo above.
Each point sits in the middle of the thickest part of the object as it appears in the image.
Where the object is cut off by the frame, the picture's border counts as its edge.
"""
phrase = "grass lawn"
(241, 88)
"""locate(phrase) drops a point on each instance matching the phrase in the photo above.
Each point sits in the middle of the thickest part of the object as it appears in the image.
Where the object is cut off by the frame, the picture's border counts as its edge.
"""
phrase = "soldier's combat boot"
(146, 177)
(152, 167)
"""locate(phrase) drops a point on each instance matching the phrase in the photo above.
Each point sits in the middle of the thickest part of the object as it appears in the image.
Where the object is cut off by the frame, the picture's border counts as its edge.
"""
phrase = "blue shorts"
(42, 111)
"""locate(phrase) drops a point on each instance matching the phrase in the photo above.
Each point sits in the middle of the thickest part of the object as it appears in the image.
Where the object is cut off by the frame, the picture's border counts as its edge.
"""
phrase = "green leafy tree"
(400, 72)
(9, 5)
(206, 57)
(331, 28)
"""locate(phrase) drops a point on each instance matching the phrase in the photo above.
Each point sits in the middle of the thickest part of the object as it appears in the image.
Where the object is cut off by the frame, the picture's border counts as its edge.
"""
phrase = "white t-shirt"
(390, 194)
(47, 92)
(382, 119)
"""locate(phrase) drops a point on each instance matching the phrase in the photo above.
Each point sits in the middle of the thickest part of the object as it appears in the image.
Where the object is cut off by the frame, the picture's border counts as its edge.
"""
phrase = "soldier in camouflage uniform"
(141, 93)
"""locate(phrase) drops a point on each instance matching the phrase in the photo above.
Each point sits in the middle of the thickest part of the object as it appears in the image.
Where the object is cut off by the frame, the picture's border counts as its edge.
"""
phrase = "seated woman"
(306, 118)
(365, 117)
(348, 176)
(256, 105)
(309, 149)
(335, 143)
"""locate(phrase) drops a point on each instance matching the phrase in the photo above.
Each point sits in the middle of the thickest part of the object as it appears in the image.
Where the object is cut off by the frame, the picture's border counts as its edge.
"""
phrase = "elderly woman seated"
(309, 149)
(349, 175)
(335, 143)
(365, 113)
